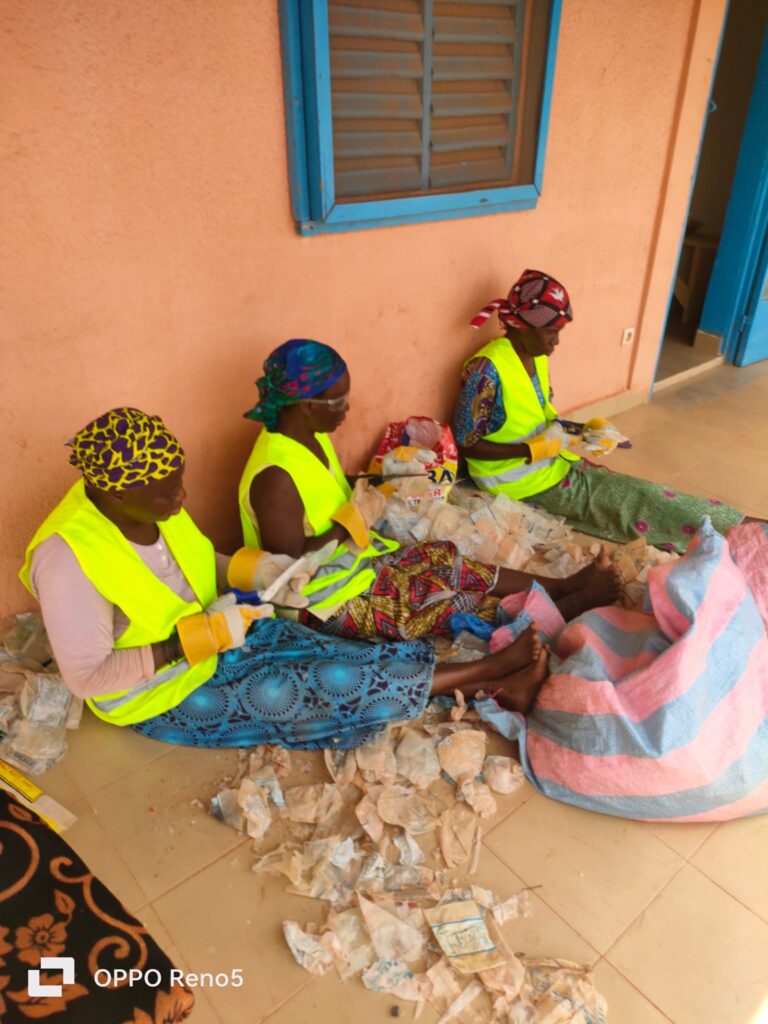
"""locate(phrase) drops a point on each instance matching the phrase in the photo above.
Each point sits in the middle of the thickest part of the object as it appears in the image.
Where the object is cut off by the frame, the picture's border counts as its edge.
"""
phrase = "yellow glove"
(597, 423)
(543, 447)
(223, 626)
(353, 522)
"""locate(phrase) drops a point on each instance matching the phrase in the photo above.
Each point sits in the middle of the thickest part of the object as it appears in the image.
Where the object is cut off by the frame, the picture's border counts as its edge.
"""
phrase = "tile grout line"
(728, 893)
(645, 906)
(631, 984)
(285, 1002)
(197, 871)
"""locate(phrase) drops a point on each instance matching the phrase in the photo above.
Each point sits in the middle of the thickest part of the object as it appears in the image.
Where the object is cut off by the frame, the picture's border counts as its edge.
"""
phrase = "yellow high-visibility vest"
(323, 490)
(118, 573)
(524, 419)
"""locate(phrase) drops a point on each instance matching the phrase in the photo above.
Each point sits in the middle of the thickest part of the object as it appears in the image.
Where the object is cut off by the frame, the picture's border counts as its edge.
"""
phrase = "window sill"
(421, 209)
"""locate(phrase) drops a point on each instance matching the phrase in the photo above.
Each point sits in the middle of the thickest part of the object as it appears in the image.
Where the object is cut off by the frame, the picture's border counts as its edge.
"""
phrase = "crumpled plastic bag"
(355, 944)
(462, 754)
(416, 759)
(314, 953)
(376, 759)
(412, 812)
(410, 851)
(479, 797)
(458, 830)
(253, 801)
(316, 804)
(392, 938)
(463, 936)
(394, 978)
(561, 992)
(503, 774)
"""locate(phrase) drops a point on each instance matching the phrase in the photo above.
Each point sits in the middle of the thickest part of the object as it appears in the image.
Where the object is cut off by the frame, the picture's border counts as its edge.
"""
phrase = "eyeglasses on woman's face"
(334, 404)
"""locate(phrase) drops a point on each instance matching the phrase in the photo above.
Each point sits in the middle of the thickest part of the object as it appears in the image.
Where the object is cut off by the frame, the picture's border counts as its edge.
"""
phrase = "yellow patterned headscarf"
(125, 448)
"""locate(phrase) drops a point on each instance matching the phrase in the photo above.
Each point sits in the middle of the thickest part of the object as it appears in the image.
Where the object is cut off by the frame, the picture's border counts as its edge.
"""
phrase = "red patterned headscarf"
(537, 301)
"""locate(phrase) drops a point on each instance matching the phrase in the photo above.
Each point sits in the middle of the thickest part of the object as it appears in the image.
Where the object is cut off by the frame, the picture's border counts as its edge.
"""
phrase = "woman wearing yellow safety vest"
(128, 585)
(294, 498)
(503, 426)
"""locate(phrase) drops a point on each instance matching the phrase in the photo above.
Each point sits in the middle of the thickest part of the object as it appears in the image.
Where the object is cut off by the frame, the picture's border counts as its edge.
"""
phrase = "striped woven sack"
(661, 714)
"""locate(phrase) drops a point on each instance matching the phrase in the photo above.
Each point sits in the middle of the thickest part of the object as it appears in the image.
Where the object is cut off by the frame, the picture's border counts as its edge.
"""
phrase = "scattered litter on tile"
(377, 844)
(355, 944)
(416, 759)
(503, 774)
(36, 706)
(253, 802)
(479, 797)
(376, 759)
(368, 816)
(495, 528)
(559, 990)
(392, 938)
(414, 813)
(312, 953)
(410, 851)
(462, 933)
(395, 978)
(458, 830)
(461, 754)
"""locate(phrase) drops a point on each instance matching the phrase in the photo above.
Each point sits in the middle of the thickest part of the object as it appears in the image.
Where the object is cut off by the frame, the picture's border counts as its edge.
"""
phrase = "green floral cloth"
(621, 508)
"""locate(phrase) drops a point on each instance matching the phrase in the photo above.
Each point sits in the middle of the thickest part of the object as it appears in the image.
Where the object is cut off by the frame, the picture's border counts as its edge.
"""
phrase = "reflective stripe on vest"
(151, 607)
(323, 490)
(523, 420)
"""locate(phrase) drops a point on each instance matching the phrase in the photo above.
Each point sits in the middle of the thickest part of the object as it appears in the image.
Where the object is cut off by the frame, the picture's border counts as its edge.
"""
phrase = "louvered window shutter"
(427, 96)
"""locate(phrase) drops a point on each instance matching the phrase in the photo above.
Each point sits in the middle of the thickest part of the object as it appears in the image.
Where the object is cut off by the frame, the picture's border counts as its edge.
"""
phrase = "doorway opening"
(686, 350)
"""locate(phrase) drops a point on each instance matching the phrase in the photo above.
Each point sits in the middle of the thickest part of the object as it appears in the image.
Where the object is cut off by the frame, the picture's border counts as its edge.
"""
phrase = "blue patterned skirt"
(295, 687)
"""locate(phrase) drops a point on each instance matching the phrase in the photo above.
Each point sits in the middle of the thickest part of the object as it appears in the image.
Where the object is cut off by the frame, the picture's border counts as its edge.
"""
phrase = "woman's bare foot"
(518, 690)
(602, 587)
(600, 564)
(521, 652)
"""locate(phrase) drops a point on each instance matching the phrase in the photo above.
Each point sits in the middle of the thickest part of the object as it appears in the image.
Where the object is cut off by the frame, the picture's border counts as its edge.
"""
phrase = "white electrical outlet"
(627, 335)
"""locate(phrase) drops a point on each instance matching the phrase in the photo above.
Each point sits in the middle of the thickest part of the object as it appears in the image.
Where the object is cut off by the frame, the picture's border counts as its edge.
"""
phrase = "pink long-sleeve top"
(83, 626)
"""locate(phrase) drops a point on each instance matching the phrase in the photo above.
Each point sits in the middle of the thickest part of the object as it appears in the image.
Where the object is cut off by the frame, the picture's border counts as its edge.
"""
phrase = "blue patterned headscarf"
(297, 369)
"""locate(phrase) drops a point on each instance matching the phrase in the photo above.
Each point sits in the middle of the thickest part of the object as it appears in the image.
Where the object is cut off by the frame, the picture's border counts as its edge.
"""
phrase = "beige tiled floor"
(675, 917)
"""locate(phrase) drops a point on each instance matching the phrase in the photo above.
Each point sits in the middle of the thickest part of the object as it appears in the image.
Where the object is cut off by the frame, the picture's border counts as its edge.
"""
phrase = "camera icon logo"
(65, 964)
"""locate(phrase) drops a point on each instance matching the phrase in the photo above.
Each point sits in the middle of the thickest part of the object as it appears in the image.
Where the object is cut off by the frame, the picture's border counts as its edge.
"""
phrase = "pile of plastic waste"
(36, 707)
(497, 529)
(379, 840)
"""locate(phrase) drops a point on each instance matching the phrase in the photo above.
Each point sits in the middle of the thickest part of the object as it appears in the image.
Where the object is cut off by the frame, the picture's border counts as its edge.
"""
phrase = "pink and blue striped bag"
(660, 714)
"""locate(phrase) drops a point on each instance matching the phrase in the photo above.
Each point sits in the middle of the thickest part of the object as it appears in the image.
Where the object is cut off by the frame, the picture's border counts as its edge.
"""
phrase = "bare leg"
(471, 676)
(511, 581)
(514, 689)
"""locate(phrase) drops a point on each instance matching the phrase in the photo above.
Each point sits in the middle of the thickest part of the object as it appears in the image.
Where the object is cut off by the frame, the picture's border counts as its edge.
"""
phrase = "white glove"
(277, 578)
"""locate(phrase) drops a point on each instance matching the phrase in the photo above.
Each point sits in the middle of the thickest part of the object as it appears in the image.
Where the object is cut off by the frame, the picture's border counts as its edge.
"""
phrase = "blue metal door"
(753, 340)
(736, 305)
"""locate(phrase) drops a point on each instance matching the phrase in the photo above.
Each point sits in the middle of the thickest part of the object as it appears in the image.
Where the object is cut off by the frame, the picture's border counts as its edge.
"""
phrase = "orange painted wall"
(153, 258)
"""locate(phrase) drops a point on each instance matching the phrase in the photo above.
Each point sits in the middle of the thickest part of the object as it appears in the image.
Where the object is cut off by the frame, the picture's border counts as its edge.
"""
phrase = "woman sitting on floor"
(295, 498)
(127, 585)
(504, 409)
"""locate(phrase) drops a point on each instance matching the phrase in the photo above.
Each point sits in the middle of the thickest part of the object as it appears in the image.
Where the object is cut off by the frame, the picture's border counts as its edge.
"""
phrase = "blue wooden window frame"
(306, 77)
